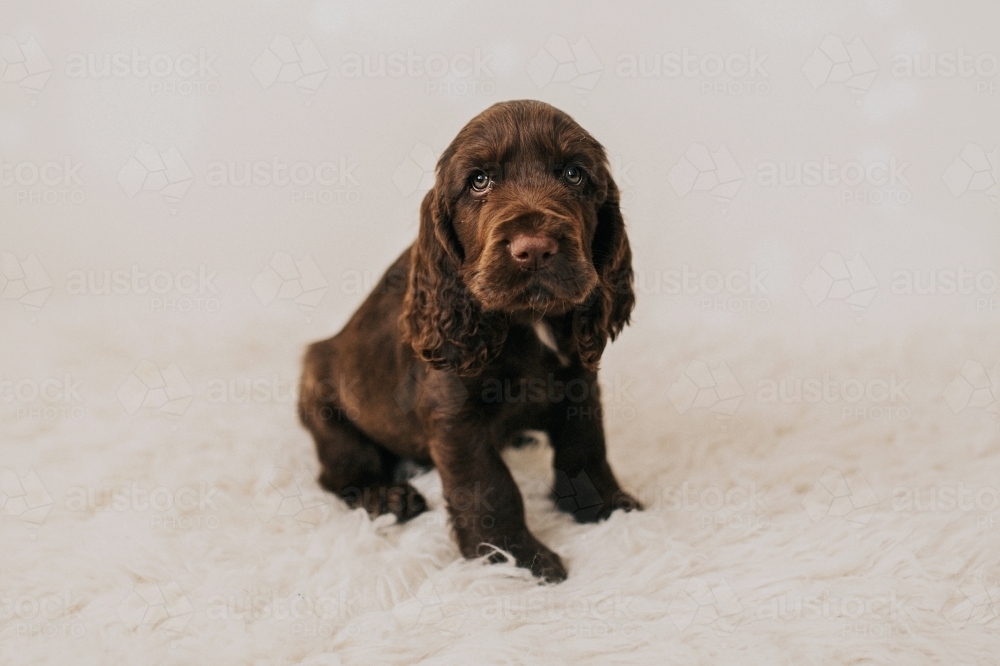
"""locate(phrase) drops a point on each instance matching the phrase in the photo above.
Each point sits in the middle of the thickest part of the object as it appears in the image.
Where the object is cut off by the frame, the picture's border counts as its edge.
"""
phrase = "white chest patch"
(545, 336)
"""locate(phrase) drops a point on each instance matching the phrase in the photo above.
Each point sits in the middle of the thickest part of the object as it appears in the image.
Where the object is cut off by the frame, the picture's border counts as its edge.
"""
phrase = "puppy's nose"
(532, 250)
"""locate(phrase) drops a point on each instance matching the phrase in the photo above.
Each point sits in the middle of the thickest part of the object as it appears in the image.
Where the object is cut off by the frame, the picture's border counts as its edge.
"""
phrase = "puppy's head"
(523, 218)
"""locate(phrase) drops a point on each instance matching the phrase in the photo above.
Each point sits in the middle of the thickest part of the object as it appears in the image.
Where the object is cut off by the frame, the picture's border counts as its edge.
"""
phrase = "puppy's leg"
(360, 470)
(585, 486)
(357, 468)
(485, 504)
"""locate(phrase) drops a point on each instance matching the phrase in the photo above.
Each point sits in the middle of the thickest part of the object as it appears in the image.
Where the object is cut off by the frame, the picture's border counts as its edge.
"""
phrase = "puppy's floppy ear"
(606, 311)
(440, 319)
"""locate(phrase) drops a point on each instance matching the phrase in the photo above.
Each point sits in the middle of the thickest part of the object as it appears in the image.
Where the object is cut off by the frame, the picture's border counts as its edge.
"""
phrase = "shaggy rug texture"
(827, 498)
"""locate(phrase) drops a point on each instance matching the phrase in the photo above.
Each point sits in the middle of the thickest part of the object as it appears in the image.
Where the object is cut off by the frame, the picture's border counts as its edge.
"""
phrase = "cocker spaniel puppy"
(492, 323)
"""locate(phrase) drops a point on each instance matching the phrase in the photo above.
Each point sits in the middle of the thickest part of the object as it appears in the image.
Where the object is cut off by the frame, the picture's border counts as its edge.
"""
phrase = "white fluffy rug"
(158, 511)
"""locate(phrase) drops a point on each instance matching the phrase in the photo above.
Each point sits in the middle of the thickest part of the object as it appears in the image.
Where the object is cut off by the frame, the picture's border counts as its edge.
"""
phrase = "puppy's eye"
(573, 175)
(479, 181)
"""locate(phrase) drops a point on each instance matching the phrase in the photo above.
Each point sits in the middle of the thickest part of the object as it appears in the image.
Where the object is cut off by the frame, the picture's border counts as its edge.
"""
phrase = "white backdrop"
(191, 192)
(894, 99)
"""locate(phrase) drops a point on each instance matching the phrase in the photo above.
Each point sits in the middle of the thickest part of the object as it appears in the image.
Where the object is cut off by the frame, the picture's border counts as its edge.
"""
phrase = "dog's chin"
(541, 301)
(539, 293)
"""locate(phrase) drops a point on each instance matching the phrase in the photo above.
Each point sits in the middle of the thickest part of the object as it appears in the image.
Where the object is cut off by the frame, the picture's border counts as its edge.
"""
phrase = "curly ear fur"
(441, 320)
(606, 311)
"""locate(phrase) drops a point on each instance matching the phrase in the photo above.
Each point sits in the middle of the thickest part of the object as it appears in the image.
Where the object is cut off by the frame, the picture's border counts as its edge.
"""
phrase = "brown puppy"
(491, 324)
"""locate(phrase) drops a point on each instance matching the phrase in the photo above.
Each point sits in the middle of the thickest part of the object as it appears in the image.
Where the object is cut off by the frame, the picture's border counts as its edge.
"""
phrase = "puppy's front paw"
(622, 500)
(619, 500)
(543, 563)
(404, 501)
(548, 566)
(529, 554)
(400, 499)
(587, 504)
